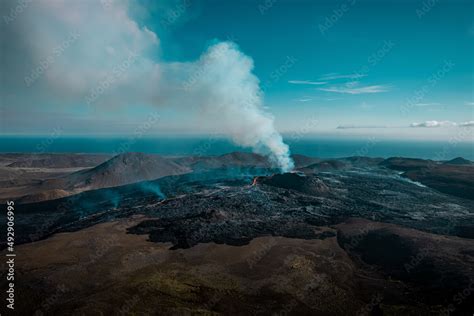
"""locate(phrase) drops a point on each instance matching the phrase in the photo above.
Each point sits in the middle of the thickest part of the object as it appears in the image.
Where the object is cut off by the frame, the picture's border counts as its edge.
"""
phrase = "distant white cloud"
(469, 103)
(360, 126)
(467, 124)
(303, 100)
(427, 104)
(354, 88)
(305, 82)
(432, 124)
(335, 76)
(426, 124)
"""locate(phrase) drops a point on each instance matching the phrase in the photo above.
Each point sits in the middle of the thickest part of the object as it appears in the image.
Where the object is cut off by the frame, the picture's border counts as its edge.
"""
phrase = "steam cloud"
(62, 52)
(223, 83)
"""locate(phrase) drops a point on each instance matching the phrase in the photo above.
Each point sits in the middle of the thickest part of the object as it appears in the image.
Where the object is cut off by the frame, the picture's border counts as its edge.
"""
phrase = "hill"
(120, 170)
(59, 161)
(458, 161)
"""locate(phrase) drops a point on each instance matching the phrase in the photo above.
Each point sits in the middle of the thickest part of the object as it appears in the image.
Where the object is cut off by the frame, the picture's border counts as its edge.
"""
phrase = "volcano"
(308, 184)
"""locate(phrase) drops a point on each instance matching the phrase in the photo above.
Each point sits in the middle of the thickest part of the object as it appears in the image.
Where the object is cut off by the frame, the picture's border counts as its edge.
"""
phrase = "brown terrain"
(102, 270)
(34, 178)
(349, 236)
(455, 177)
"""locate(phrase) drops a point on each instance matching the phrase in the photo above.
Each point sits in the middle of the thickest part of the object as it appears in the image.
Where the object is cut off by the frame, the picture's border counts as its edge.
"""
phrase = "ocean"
(323, 148)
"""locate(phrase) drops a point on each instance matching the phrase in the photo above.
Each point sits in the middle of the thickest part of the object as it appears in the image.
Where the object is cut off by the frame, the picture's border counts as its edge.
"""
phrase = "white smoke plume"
(221, 82)
(65, 52)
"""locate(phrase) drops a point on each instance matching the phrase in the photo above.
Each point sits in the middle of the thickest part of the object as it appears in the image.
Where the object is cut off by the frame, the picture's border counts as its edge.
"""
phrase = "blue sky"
(385, 40)
(401, 69)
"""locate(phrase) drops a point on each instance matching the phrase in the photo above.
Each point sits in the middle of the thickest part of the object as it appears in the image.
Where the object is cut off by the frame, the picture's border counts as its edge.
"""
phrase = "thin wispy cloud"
(427, 104)
(356, 89)
(469, 103)
(304, 100)
(335, 76)
(306, 82)
(360, 126)
(425, 124)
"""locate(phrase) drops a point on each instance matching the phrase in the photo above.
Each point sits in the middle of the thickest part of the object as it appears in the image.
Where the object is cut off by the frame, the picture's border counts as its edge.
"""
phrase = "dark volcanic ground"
(225, 205)
(398, 237)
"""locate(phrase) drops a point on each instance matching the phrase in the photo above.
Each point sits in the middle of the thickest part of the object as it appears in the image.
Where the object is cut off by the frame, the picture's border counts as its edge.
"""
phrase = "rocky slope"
(455, 177)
